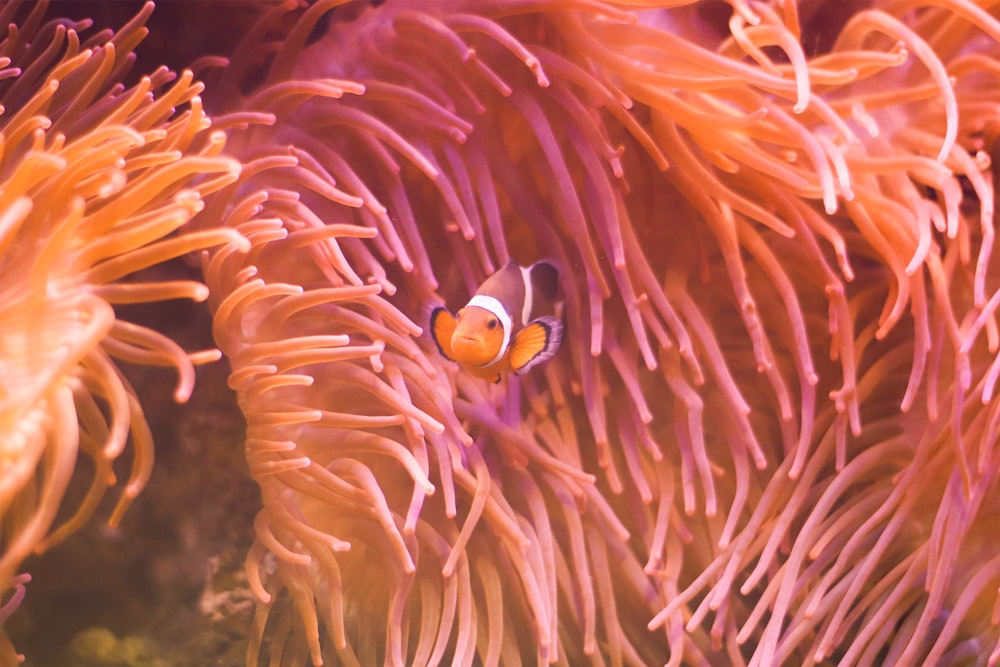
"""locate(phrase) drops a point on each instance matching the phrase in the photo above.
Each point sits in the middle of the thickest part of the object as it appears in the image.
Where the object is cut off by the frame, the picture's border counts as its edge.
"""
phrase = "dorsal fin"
(506, 286)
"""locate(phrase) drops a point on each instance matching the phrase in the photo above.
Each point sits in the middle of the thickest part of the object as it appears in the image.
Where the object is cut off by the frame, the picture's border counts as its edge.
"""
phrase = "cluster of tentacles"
(94, 180)
(770, 437)
(771, 434)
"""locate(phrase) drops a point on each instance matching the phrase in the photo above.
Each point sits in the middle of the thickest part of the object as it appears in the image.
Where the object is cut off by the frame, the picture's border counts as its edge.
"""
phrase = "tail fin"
(545, 280)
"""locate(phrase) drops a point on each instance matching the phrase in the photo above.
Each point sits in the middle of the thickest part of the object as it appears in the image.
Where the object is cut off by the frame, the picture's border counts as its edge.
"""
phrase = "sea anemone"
(770, 436)
(95, 179)
(744, 228)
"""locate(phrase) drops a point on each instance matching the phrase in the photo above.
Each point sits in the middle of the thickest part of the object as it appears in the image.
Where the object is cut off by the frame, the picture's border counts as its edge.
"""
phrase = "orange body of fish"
(500, 329)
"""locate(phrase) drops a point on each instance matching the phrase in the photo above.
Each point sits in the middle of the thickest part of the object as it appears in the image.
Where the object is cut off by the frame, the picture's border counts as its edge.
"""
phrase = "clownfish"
(499, 330)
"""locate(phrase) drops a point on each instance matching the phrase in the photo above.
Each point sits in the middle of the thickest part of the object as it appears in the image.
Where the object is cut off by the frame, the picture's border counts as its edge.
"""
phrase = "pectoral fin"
(535, 343)
(442, 328)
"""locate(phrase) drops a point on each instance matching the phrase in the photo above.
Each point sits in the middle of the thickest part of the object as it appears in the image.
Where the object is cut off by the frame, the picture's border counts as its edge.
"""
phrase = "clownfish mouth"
(470, 350)
(468, 341)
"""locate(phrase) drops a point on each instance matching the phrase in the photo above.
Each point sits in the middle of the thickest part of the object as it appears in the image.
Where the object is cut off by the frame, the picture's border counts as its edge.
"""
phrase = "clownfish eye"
(491, 323)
